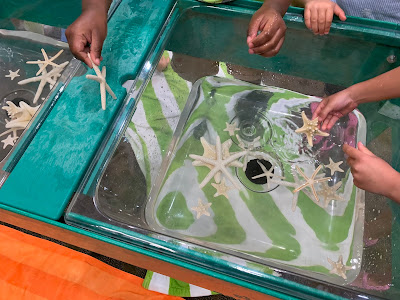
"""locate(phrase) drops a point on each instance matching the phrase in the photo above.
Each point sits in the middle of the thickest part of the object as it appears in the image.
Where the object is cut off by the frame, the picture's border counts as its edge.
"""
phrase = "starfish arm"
(310, 139)
(41, 69)
(103, 95)
(260, 176)
(6, 132)
(208, 177)
(234, 157)
(319, 180)
(294, 201)
(104, 71)
(39, 91)
(57, 55)
(316, 172)
(203, 159)
(301, 173)
(263, 168)
(218, 147)
(314, 192)
(109, 90)
(301, 187)
(231, 179)
(321, 133)
(29, 80)
(95, 78)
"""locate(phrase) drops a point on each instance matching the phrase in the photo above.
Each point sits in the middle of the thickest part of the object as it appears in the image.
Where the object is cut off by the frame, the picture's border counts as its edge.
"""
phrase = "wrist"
(97, 7)
(272, 5)
(356, 93)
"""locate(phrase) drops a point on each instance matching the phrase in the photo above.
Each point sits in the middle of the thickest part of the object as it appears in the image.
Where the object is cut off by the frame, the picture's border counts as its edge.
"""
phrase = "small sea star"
(310, 181)
(249, 148)
(231, 128)
(219, 162)
(101, 78)
(334, 166)
(267, 173)
(201, 209)
(222, 189)
(339, 268)
(43, 64)
(329, 193)
(9, 141)
(44, 78)
(310, 128)
(12, 74)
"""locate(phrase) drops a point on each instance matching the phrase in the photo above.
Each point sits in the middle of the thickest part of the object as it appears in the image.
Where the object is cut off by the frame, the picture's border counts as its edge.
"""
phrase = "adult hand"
(334, 107)
(87, 35)
(268, 21)
(371, 173)
(318, 15)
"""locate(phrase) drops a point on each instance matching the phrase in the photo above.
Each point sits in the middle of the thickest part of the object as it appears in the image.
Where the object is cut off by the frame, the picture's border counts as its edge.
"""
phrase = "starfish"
(12, 74)
(218, 162)
(201, 209)
(310, 128)
(101, 78)
(339, 268)
(21, 118)
(231, 128)
(44, 78)
(267, 173)
(310, 181)
(46, 62)
(329, 193)
(334, 166)
(222, 189)
(9, 141)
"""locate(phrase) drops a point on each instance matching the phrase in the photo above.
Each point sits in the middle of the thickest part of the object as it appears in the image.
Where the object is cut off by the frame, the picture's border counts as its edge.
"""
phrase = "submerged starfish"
(249, 148)
(12, 74)
(101, 78)
(310, 128)
(231, 128)
(218, 162)
(46, 77)
(201, 209)
(269, 174)
(22, 117)
(334, 166)
(329, 193)
(44, 63)
(310, 181)
(222, 189)
(339, 268)
(9, 141)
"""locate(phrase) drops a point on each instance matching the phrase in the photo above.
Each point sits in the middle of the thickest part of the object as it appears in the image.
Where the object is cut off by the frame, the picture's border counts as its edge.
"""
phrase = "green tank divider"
(206, 264)
(23, 143)
(334, 59)
(52, 166)
(60, 13)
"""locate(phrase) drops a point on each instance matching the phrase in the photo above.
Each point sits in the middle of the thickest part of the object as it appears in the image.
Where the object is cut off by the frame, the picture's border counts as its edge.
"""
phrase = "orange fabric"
(36, 269)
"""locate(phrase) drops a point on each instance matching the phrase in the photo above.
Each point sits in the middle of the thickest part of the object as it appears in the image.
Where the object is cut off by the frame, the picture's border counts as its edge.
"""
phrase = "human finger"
(314, 20)
(271, 44)
(328, 20)
(253, 30)
(78, 45)
(364, 149)
(307, 17)
(339, 12)
(321, 21)
(334, 118)
(274, 51)
(350, 151)
(96, 46)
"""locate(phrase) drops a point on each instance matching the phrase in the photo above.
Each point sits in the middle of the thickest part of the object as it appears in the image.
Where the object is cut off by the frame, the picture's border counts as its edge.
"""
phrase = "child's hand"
(318, 15)
(334, 107)
(268, 43)
(87, 34)
(371, 173)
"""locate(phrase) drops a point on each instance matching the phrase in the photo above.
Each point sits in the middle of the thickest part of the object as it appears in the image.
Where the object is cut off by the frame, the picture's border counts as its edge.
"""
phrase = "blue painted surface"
(45, 178)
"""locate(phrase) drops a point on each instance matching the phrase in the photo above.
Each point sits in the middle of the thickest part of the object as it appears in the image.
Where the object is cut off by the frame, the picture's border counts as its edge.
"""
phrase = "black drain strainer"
(253, 169)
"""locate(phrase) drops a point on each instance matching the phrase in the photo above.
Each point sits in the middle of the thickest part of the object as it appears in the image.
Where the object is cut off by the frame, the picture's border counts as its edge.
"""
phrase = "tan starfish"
(43, 64)
(219, 162)
(329, 193)
(222, 189)
(339, 268)
(201, 209)
(231, 128)
(269, 174)
(310, 128)
(12, 74)
(8, 141)
(101, 78)
(46, 77)
(334, 166)
(310, 181)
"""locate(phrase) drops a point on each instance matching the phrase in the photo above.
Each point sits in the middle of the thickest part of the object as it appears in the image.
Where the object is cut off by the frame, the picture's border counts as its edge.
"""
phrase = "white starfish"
(12, 74)
(201, 209)
(222, 189)
(292, 185)
(329, 193)
(9, 141)
(338, 267)
(101, 78)
(269, 174)
(44, 78)
(231, 128)
(310, 181)
(219, 162)
(21, 115)
(310, 128)
(334, 166)
(12, 130)
(46, 62)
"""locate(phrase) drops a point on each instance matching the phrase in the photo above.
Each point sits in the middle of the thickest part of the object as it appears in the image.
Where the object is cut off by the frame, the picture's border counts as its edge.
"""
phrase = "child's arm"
(268, 21)
(88, 32)
(318, 15)
(373, 174)
(382, 87)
